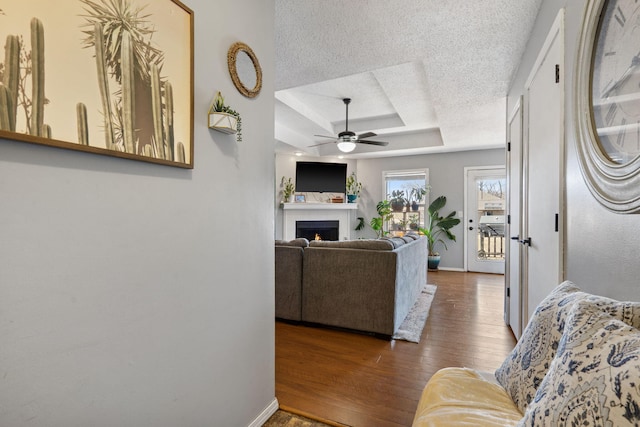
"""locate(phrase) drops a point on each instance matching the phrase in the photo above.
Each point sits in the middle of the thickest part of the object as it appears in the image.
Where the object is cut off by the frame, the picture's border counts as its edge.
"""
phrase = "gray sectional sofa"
(365, 285)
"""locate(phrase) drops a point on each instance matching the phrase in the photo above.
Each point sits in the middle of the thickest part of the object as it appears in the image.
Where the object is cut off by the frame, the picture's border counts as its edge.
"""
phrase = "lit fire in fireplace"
(318, 237)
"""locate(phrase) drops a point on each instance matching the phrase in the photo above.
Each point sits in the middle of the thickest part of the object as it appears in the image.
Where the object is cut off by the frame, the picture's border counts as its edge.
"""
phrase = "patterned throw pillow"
(524, 369)
(594, 380)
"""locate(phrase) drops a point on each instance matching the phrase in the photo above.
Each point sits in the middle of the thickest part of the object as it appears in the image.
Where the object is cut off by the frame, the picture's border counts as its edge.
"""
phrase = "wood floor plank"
(362, 381)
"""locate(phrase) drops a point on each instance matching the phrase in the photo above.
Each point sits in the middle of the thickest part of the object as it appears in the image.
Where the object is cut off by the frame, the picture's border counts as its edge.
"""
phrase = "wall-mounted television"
(321, 177)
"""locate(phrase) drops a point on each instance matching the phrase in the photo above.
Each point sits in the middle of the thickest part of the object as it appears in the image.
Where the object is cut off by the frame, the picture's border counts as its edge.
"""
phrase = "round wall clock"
(607, 100)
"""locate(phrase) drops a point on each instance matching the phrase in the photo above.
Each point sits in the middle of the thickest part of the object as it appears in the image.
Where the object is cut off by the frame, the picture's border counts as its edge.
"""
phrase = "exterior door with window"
(485, 219)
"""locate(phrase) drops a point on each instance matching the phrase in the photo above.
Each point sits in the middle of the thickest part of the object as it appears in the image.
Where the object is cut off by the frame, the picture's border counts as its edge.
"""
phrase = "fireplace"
(318, 230)
(343, 213)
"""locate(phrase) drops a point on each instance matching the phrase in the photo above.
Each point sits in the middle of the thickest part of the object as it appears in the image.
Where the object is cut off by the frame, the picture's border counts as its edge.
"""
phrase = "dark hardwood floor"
(362, 381)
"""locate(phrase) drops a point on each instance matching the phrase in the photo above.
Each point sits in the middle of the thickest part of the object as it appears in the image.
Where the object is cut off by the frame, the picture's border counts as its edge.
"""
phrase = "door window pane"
(491, 221)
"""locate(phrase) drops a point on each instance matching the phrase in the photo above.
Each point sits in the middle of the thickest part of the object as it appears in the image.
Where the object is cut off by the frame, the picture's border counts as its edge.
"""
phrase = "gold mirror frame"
(614, 186)
(232, 56)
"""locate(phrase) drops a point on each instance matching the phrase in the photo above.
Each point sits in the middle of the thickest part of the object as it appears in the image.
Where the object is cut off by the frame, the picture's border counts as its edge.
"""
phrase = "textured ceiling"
(425, 75)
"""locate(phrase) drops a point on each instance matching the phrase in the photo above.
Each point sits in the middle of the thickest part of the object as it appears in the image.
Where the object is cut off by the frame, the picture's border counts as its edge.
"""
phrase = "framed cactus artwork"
(111, 77)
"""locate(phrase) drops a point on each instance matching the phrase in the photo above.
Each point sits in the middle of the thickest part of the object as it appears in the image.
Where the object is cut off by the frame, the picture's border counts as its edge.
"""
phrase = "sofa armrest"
(288, 282)
(463, 397)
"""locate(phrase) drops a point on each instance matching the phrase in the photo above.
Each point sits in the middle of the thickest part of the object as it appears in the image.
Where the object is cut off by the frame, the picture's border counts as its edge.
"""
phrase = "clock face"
(615, 80)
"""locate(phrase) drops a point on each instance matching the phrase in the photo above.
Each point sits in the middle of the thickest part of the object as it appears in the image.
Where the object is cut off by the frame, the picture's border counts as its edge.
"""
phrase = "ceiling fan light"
(346, 146)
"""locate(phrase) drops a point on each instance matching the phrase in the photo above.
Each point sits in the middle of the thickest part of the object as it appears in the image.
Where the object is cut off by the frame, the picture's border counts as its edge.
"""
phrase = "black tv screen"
(321, 177)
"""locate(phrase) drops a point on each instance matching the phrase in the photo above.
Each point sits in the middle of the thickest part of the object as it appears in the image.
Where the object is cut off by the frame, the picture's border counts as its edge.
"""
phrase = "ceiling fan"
(346, 140)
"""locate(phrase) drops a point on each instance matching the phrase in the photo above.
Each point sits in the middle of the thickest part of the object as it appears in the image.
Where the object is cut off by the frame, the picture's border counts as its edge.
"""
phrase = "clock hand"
(635, 61)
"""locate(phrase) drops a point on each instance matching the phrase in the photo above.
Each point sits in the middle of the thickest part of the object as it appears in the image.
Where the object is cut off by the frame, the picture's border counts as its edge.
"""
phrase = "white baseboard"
(450, 269)
(265, 414)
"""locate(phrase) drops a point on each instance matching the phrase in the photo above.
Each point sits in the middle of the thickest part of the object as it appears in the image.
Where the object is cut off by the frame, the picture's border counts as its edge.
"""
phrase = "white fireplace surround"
(342, 212)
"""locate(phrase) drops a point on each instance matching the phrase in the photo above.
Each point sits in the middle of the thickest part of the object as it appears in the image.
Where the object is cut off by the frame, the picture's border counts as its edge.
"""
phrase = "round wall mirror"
(244, 69)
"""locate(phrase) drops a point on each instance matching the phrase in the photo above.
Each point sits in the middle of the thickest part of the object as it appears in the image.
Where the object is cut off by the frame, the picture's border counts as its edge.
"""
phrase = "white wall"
(127, 295)
(600, 252)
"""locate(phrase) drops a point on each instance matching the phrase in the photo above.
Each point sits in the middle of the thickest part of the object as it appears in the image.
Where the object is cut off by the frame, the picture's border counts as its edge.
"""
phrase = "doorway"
(543, 165)
(485, 189)
(515, 251)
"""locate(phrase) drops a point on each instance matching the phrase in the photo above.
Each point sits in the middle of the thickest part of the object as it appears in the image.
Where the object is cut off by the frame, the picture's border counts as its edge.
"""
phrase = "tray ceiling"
(425, 75)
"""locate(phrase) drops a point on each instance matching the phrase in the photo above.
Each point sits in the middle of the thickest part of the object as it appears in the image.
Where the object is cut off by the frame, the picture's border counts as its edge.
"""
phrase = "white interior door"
(485, 219)
(513, 279)
(544, 170)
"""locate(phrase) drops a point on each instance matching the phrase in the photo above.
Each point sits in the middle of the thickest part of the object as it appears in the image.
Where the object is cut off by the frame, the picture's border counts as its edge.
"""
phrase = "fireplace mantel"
(342, 212)
(320, 206)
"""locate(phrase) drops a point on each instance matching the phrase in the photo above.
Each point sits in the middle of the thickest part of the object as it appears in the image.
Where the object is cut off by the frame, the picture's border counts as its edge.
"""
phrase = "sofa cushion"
(594, 378)
(299, 242)
(411, 235)
(463, 397)
(395, 241)
(371, 244)
(524, 369)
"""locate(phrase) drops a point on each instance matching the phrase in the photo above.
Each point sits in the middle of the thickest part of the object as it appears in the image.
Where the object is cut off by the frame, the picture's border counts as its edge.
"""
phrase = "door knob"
(470, 228)
(526, 241)
(515, 237)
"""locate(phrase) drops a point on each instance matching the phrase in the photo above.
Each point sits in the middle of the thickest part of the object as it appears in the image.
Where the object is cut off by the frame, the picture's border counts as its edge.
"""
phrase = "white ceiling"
(425, 75)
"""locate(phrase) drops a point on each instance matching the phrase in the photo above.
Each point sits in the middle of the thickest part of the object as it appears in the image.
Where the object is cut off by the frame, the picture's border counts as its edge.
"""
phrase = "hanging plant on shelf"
(224, 118)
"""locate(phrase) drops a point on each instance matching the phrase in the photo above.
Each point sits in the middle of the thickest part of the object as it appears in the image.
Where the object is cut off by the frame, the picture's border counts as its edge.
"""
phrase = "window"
(407, 190)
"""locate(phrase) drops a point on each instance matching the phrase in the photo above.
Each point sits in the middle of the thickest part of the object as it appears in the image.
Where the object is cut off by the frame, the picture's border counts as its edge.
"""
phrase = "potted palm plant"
(437, 228)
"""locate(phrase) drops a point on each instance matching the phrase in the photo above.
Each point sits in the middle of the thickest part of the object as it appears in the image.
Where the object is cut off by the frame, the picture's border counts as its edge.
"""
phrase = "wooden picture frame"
(73, 76)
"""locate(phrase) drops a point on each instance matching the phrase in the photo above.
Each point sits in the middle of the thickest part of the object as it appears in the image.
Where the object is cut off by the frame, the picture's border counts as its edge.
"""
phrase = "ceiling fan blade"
(384, 144)
(325, 136)
(322, 143)
(366, 135)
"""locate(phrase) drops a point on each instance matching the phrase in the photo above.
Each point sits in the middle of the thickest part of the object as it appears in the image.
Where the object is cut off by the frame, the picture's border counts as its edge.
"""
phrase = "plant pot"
(397, 206)
(414, 206)
(433, 261)
(223, 122)
(351, 198)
